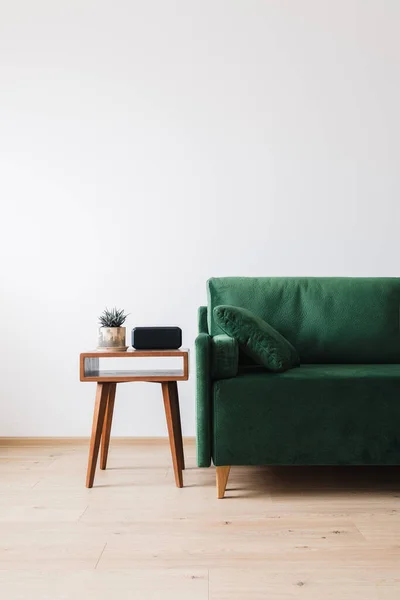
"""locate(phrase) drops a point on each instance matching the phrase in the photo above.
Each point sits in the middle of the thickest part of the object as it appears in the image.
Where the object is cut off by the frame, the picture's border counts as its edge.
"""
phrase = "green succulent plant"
(112, 318)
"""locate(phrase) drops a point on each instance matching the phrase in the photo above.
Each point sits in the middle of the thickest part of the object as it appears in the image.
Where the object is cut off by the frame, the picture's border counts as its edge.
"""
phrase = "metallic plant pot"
(112, 339)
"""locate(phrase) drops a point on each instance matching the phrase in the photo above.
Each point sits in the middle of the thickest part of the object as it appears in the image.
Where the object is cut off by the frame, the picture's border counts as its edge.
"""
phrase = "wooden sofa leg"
(222, 480)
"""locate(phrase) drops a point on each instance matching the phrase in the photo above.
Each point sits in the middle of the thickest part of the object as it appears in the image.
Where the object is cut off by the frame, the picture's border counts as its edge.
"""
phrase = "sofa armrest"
(202, 319)
(203, 399)
(224, 357)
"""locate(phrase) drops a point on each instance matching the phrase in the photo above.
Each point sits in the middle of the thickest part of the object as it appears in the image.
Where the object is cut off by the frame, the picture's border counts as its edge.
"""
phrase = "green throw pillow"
(257, 338)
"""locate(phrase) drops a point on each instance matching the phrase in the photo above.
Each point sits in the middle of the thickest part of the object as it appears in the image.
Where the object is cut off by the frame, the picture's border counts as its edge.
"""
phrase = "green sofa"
(340, 407)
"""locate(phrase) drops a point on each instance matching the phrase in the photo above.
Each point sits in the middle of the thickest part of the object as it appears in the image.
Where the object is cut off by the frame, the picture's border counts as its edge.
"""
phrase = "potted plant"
(111, 332)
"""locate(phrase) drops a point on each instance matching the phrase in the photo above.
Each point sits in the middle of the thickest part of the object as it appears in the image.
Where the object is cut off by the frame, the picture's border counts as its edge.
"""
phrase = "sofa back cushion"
(327, 319)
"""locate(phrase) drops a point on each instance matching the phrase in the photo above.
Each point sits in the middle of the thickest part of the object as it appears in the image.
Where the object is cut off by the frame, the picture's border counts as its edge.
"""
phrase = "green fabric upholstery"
(327, 320)
(203, 399)
(202, 319)
(257, 338)
(342, 406)
(224, 357)
(315, 415)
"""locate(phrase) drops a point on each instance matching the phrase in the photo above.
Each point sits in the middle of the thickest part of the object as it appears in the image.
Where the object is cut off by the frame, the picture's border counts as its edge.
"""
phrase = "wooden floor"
(279, 533)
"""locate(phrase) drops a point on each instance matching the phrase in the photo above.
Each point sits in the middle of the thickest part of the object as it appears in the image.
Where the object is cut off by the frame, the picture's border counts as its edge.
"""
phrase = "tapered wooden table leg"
(173, 390)
(97, 427)
(171, 405)
(105, 438)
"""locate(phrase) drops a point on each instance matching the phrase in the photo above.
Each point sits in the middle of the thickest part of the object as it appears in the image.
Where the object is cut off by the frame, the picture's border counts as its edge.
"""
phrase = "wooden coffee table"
(107, 381)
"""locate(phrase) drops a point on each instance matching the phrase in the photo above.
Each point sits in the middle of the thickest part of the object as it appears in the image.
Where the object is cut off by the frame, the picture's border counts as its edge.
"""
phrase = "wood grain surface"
(279, 533)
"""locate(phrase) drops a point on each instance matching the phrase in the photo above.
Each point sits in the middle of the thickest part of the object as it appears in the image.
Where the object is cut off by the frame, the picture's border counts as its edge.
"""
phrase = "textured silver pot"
(112, 338)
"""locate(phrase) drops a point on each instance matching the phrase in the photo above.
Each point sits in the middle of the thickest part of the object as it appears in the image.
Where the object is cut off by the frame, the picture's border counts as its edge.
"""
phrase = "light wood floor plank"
(177, 584)
(345, 583)
(43, 549)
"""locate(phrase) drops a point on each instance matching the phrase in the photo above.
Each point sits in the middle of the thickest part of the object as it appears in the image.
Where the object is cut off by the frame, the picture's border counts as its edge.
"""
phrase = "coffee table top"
(92, 370)
(132, 352)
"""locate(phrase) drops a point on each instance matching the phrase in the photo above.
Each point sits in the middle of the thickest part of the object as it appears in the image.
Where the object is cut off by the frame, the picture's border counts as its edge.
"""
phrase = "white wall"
(147, 145)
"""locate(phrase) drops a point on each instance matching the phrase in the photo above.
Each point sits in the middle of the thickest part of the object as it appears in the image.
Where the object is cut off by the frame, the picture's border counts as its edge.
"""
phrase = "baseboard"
(47, 441)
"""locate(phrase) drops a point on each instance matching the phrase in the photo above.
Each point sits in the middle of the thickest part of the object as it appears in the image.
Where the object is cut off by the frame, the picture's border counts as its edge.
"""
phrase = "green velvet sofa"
(340, 407)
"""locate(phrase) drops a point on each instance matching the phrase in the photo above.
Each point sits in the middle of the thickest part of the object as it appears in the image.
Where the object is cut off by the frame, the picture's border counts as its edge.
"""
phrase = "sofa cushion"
(316, 415)
(257, 338)
(327, 320)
